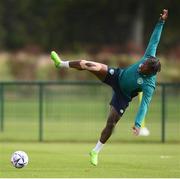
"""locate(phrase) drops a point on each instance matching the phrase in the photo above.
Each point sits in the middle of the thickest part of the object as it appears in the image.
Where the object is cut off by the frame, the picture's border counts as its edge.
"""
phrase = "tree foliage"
(72, 23)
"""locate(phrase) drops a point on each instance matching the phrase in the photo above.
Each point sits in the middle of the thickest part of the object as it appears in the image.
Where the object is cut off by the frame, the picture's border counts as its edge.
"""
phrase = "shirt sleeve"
(154, 40)
(147, 96)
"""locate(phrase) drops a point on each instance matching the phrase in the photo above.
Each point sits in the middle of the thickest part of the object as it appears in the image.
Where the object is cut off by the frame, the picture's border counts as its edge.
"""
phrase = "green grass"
(72, 160)
(73, 120)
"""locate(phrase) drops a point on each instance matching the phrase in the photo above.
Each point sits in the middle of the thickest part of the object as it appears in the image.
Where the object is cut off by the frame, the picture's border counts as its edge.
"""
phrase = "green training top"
(131, 82)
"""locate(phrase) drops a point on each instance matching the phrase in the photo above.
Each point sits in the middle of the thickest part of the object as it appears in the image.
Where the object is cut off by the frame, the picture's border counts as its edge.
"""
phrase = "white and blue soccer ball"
(19, 159)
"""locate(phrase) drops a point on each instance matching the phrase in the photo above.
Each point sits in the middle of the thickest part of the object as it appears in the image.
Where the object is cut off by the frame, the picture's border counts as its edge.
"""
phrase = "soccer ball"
(19, 159)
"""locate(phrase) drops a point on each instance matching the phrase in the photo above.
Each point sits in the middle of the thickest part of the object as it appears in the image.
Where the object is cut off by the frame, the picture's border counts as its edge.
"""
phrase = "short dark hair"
(154, 64)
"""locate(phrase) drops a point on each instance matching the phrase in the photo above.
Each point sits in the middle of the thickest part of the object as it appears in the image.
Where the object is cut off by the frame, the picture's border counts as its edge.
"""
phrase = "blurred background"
(56, 116)
(113, 32)
(66, 105)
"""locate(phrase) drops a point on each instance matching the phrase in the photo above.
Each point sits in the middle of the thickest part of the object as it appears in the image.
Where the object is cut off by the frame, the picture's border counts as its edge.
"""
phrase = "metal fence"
(77, 111)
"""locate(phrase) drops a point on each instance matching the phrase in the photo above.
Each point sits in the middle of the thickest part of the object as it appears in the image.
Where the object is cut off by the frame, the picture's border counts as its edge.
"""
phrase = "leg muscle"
(111, 123)
(98, 69)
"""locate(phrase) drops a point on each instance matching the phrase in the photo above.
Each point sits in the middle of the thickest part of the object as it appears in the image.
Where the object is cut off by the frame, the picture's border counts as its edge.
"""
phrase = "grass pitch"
(77, 115)
(72, 160)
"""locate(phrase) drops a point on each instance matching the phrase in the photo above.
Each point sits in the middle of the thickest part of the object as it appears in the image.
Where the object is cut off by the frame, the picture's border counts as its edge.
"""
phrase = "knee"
(83, 64)
(83, 61)
(111, 125)
(89, 65)
(112, 121)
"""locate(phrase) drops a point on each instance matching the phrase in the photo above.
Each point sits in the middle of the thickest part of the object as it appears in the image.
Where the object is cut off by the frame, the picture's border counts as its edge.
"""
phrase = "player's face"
(144, 69)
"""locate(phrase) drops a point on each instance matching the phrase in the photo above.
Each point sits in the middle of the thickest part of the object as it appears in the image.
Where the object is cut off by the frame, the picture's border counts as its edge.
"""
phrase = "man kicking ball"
(126, 84)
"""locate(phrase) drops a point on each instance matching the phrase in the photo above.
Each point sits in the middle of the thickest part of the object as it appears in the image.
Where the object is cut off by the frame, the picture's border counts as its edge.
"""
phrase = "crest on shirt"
(111, 71)
(140, 81)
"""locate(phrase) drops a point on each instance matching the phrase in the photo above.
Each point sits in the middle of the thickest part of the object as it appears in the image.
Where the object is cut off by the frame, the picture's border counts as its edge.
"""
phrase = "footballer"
(126, 84)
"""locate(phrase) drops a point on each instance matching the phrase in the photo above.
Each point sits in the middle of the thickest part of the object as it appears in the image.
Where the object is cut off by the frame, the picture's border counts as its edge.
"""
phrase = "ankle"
(64, 64)
(98, 147)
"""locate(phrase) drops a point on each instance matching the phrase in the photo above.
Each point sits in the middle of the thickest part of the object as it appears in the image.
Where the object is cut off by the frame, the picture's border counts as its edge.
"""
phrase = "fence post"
(163, 113)
(40, 112)
(2, 107)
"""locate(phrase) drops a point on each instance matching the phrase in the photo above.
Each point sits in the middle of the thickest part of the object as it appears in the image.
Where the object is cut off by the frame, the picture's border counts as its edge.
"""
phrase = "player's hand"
(164, 15)
(135, 130)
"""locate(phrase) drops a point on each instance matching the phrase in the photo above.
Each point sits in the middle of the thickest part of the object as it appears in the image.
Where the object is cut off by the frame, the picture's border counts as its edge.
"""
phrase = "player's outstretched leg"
(98, 69)
(106, 133)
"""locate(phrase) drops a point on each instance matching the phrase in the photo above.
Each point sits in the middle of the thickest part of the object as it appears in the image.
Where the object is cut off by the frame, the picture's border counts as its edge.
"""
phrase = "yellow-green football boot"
(56, 59)
(94, 158)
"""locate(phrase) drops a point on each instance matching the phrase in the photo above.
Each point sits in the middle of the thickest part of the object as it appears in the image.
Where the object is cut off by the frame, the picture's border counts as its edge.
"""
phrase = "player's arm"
(147, 95)
(155, 37)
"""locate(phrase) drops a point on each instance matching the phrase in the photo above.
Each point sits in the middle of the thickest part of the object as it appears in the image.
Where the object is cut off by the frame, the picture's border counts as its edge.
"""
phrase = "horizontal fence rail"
(54, 102)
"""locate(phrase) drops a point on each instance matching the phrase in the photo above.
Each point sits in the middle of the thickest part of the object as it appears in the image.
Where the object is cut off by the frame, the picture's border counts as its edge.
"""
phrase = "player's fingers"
(134, 132)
